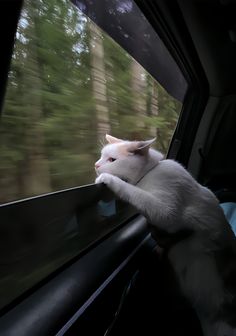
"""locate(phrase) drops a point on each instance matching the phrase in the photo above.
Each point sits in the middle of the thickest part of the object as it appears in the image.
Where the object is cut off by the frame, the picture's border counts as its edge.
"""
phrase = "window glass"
(69, 84)
(42, 234)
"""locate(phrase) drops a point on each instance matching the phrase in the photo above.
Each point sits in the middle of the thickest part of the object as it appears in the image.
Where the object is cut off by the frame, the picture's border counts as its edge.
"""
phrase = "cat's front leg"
(114, 183)
(140, 199)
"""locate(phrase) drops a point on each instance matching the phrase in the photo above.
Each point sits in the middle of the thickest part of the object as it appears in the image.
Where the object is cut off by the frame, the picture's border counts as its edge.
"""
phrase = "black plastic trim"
(98, 291)
(49, 309)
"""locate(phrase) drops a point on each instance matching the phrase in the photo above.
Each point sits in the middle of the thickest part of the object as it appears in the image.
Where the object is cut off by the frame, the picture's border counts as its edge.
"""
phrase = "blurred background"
(69, 84)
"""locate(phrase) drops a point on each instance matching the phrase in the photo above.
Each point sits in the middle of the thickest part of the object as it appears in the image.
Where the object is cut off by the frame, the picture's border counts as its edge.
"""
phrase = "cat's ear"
(141, 147)
(111, 140)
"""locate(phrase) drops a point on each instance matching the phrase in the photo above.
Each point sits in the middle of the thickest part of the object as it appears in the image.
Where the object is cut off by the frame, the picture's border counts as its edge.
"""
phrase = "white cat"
(201, 244)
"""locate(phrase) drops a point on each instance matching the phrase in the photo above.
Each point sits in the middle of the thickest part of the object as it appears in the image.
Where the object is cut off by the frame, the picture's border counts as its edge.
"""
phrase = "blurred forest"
(69, 84)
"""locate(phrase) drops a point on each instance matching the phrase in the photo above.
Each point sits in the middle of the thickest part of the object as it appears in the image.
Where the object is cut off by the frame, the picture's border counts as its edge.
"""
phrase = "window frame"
(167, 20)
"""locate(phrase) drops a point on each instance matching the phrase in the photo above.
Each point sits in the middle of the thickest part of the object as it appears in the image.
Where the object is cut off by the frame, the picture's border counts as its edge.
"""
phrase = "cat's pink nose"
(97, 165)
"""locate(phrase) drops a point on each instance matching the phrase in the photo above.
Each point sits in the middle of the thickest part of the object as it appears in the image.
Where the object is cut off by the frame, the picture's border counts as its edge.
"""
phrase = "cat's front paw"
(104, 178)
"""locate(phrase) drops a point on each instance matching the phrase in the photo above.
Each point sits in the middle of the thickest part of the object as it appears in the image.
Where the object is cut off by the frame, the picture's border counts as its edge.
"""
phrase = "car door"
(75, 260)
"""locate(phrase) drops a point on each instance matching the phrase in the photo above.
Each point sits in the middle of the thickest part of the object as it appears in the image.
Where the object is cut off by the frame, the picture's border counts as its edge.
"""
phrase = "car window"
(69, 84)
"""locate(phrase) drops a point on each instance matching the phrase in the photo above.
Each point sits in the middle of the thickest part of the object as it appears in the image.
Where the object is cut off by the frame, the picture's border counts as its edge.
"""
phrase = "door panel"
(52, 305)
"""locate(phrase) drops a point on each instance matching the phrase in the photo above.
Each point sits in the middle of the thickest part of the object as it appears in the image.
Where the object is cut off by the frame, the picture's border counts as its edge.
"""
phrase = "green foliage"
(48, 129)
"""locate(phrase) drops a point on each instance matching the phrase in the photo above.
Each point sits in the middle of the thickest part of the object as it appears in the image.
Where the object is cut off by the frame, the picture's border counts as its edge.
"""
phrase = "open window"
(78, 70)
(70, 83)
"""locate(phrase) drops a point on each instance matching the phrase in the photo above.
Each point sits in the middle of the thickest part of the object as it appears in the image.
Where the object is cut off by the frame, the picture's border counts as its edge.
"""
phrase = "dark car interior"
(121, 283)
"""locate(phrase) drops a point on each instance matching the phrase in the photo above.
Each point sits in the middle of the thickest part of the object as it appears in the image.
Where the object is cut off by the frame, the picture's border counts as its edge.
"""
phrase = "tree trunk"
(154, 106)
(99, 81)
(36, 178)
(138, 84)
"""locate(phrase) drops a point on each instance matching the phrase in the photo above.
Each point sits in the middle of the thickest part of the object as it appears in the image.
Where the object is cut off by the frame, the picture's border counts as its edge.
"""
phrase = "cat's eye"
(111, 159)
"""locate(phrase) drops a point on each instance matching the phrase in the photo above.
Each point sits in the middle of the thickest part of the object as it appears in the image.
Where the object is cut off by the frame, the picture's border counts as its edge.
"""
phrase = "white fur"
(168, 196)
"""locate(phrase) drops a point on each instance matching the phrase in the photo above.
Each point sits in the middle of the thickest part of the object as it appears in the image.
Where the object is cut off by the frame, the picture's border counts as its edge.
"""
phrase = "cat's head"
(129, 160)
